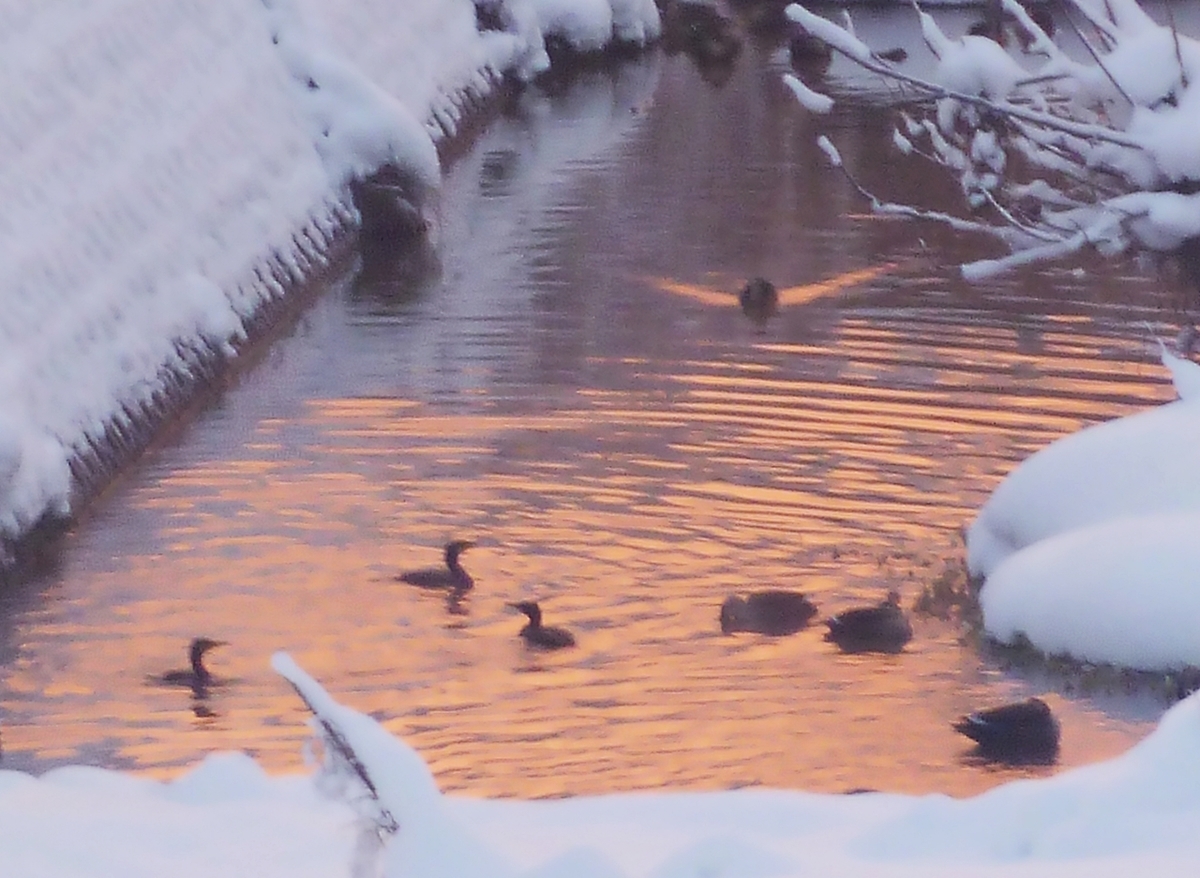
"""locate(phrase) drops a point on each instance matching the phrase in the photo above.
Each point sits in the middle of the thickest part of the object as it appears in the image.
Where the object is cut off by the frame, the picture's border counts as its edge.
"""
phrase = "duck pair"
(456, 582)
(879, 628)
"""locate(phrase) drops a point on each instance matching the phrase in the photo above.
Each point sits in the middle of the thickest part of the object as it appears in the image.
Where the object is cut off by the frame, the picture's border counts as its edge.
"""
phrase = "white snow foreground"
(1089, 547)
(168, 169)
(1135, 814)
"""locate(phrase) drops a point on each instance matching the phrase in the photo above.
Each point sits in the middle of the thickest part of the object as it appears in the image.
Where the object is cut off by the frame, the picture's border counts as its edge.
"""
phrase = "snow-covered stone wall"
(168, 168)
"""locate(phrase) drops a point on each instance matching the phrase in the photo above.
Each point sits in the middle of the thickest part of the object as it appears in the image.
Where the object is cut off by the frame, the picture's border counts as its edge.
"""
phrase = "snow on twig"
(1108, 179)
(336, 740)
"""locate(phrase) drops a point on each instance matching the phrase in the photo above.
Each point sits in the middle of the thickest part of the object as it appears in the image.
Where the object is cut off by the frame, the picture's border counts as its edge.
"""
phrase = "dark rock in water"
(1183, 683)
(808, 53)
(1023, 732)
(773, 612)
(705, 35)
(881, 628)
(490, 15)
(759, 300)
(391, 202)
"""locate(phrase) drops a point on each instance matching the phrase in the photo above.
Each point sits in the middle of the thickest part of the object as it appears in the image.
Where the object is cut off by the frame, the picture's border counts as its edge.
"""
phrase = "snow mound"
(1089, 547)
(1135, 813)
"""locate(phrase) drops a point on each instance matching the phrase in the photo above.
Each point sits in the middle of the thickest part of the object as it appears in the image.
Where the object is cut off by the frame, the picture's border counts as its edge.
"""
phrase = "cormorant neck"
(198, 668)
(534, 612)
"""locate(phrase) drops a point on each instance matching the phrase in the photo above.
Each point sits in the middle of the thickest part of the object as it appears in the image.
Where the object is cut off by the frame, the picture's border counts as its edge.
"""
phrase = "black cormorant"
(197, 676)
(1025, 731)
(773, 611)
(759, 300)
(451, 577)
(881, 628)
(539, 635)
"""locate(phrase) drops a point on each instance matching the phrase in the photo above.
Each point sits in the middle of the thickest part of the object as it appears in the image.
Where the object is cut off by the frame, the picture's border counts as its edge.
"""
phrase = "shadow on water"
(569, 380)
(387, 279)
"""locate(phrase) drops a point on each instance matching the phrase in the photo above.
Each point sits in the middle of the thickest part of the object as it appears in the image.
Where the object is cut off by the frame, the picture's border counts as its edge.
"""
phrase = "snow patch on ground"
(1089, 547)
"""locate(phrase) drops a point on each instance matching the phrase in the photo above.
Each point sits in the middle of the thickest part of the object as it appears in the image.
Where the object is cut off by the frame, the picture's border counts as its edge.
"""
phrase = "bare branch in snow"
(1055, 155)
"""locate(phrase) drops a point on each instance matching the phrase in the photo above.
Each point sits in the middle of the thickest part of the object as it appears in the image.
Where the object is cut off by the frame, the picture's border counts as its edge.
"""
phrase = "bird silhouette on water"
(760, 301)
(774, 611)
(1021, 732)
(881, 628)
(538, 635)
(452, 577)
(197, 677)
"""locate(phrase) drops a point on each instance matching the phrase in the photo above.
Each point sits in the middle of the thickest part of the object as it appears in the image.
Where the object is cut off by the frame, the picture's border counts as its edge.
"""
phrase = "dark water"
(570, 384)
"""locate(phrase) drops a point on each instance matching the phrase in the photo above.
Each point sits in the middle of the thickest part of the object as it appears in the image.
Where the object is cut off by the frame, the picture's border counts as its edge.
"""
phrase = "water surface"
(570, 383)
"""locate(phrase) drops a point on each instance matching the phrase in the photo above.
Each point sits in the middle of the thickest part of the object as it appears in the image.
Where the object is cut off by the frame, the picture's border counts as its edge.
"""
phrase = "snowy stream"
(570, 383)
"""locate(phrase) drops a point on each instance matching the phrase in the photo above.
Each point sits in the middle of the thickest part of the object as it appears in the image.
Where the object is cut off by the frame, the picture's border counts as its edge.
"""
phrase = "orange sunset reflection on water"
(630, 514)
(574, 389)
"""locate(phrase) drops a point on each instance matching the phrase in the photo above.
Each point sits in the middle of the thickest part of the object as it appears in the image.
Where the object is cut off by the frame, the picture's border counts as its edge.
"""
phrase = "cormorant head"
(530, 609)
(893, 598)
(454, 549)
(732, 613)
(199, 647)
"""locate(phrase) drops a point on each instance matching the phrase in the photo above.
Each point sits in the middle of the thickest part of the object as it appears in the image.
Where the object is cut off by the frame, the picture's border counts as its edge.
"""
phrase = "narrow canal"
(569, 382)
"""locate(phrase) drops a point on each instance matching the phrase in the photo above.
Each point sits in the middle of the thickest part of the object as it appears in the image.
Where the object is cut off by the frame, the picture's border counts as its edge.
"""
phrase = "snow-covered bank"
(171, 169)
(1089, 547)
(226, 817)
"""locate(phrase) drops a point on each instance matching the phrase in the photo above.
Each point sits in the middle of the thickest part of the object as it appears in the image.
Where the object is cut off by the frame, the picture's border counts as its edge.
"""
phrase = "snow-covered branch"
(1053, 153)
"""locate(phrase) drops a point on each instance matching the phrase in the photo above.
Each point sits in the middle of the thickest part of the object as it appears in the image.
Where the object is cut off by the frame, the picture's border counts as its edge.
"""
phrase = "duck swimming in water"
(452, 577)
(881, 628)
(775, 612)
(197, 677)
(1025, 731)
(539, 635)
(759, 300)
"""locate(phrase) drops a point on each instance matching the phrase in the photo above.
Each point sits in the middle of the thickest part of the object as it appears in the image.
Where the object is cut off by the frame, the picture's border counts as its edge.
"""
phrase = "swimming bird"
(1025, 731)
(197, 676)
(774, 611)
(881, 628)
(539, 635)
(452, 577)
(759, 300)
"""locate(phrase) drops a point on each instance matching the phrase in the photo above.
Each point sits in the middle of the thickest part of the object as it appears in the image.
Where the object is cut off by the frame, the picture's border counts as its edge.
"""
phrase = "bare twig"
(337, 740)
(893, 209)
(1175, 35)
(1107, 34)
(1031, 231)
(936, 91)
(1087, 44)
